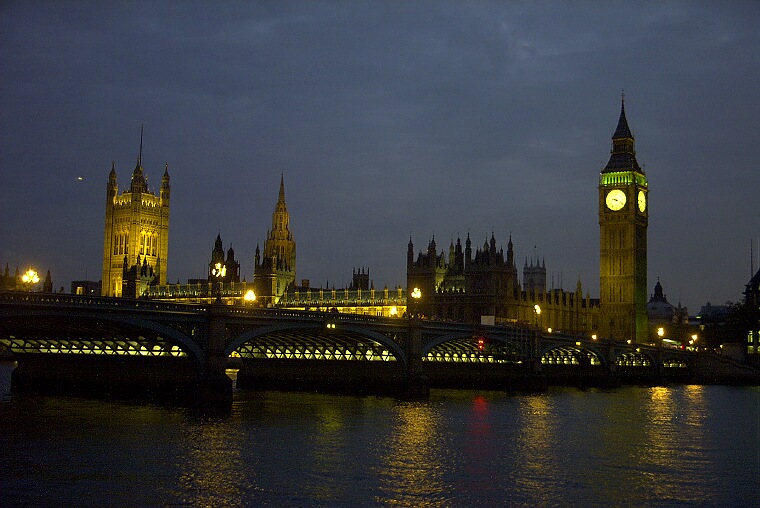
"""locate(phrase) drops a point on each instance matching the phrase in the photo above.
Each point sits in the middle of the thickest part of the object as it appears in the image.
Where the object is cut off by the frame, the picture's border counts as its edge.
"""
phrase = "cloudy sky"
(387, 119)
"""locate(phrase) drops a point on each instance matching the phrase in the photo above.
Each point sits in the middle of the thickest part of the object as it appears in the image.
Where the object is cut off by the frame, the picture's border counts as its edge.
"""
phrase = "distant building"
(274, 270)
(86, 287)
(10, 282)
(360, 280)
(659, 309)
(136, 237)
(752, 307)
(473, 286)
(221, 270)
(673, 320)
(16, 282)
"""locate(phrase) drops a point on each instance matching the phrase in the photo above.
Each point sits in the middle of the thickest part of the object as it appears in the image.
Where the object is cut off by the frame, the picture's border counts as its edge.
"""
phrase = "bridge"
(80, 341)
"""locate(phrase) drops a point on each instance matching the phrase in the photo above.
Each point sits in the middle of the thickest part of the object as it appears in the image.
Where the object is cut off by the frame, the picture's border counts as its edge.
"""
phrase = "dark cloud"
(387, 119)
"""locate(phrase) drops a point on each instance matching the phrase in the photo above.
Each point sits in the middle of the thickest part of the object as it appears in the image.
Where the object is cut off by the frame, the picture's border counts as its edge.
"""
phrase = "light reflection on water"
(412, 469)
(680, 445)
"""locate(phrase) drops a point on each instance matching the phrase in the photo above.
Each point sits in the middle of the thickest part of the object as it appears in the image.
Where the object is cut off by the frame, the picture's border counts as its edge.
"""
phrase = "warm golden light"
(249, 296)
(660, 331)
(219, 270)
(593, 337)
(537, 309)
(30, 277)
(549, 330)
(416, 293)
(694, 337)
(394, 311)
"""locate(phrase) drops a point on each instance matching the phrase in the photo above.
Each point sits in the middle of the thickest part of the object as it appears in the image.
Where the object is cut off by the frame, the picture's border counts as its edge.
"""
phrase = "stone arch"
(571, 354)
(127, 322)
(343, 332)
(635, 358)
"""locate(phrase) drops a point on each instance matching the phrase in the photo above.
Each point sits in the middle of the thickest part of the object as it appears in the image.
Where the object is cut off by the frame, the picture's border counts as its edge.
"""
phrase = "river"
(631, 446)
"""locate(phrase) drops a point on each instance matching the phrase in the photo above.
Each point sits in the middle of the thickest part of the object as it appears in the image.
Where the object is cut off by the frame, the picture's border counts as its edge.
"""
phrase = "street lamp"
(219, 271)
(249, 296)
(31, 278)
(416, 295)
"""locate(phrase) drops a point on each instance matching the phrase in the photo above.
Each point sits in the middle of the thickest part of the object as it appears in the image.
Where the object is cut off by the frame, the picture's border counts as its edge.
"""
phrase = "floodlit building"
(274, 270)
(136, 238)
(623, 223)
(482, 286)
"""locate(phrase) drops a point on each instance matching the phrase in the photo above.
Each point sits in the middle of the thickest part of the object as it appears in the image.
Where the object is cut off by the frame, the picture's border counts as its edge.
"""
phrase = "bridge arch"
(470, 347)
(635, 358)
(316, 341)
(55, 324)
(571, 354)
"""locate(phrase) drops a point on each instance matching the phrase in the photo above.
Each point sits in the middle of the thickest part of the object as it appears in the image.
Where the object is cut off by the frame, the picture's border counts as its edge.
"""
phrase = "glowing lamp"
(219, 270)
(30, 277)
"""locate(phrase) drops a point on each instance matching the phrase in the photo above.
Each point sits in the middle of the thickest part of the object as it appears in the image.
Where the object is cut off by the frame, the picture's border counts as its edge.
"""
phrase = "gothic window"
(154, 245)
(115, 245)
(142, 244)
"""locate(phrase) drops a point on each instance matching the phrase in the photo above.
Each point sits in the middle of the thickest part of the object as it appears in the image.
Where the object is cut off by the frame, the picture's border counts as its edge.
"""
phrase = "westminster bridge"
(83, 342)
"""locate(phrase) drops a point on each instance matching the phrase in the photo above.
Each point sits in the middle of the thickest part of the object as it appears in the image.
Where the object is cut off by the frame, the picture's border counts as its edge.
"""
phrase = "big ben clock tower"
(623, 221)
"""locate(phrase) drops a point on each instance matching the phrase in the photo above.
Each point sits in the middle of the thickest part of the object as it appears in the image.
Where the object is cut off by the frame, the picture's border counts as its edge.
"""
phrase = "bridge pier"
(611, 373)
(536, 381)
(416, 385)
(215, 387)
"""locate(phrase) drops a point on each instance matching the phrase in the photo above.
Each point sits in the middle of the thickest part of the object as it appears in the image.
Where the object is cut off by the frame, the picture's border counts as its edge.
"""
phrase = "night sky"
(387, 119)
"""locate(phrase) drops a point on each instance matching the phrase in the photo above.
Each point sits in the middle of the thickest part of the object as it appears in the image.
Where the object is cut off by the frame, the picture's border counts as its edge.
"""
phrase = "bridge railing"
(59, 299)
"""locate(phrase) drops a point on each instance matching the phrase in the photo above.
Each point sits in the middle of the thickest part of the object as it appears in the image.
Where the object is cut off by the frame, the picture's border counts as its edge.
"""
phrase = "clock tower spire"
(623, 222)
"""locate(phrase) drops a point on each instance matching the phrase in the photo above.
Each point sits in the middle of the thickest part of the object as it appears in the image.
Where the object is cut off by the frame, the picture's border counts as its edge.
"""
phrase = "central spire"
(139, 155)
(623, 154)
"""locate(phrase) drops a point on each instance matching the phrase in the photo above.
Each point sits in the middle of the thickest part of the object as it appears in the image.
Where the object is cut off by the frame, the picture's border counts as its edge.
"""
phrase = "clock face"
(642, 201)
(615, 199)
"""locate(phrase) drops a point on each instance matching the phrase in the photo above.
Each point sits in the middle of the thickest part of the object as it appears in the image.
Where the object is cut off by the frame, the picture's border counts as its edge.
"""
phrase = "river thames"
(632, 446)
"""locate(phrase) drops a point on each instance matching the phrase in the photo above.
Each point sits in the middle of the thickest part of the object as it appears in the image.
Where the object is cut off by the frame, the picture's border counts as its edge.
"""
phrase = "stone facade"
(481, 286)
(136, 231)
(623, 222)
(274, 270)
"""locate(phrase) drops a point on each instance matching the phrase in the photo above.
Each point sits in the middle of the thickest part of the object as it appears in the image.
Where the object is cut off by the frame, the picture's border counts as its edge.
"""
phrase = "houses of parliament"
(474, 284)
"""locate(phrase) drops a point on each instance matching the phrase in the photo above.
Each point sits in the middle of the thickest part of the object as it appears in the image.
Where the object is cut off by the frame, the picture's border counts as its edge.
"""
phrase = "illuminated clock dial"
(642, 201)
(615, 199)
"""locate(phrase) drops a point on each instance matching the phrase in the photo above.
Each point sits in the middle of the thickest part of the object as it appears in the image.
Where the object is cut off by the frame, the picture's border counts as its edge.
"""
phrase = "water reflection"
(212, 470)
(327, 454)
(673, 438)
(631, 446)
(411, 471)
(536, 428)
